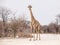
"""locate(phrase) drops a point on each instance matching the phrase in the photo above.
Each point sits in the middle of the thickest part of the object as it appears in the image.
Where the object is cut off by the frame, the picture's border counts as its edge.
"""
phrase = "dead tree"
(58, 19)
(4, 12)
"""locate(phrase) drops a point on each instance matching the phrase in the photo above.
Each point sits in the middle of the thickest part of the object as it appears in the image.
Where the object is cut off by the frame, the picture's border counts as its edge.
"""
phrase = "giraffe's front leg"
(34, 33)
(31, 32)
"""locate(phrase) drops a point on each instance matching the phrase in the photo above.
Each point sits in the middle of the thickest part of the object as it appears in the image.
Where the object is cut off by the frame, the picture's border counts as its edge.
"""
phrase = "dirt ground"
(46, 39)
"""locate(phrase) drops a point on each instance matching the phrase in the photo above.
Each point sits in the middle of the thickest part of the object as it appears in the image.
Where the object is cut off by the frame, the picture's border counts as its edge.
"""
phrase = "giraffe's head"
(29, 6)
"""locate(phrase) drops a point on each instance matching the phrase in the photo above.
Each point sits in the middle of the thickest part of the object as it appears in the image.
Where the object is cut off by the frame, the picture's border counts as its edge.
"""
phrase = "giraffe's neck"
(31, 14)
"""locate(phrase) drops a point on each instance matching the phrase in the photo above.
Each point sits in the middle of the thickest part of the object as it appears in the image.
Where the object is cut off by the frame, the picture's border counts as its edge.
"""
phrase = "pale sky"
(43, 10)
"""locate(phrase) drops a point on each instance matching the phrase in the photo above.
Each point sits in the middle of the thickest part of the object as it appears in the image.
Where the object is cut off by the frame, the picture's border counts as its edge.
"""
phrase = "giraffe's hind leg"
(36, 34)
(39, 35)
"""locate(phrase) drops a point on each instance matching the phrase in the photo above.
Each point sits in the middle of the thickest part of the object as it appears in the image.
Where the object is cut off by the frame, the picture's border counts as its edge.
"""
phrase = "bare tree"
(53, 28)
(58, 19)
(0, 28)
(4, 12)
(44, 29)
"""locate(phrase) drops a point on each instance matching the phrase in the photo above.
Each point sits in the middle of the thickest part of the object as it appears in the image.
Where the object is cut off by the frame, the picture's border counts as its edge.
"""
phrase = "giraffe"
(35, 25)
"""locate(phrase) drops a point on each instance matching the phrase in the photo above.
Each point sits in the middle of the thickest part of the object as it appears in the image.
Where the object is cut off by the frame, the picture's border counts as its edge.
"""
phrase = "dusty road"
(46, 39)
